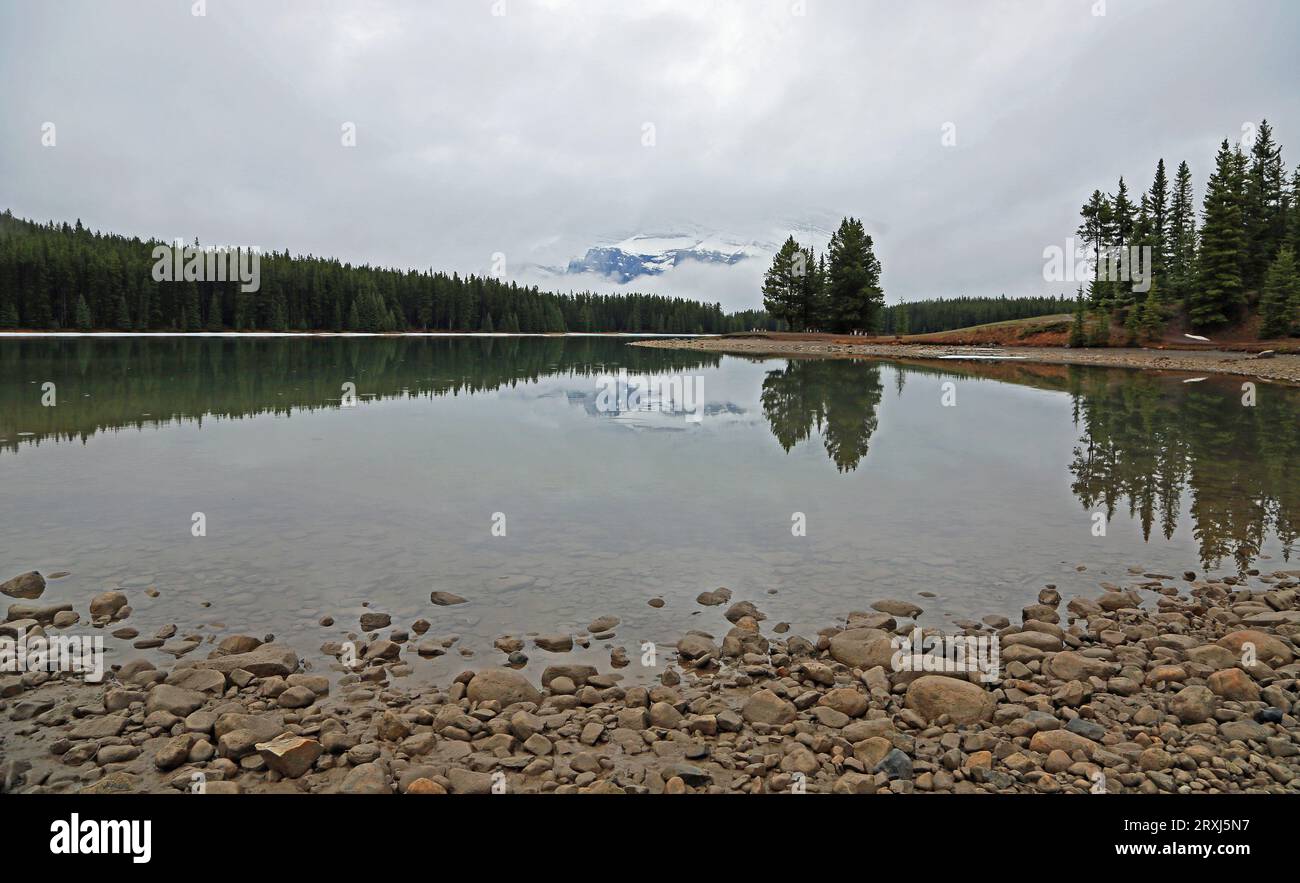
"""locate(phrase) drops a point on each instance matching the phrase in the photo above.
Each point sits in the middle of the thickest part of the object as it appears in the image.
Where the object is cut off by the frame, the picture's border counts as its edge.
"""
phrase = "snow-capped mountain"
(648, 254)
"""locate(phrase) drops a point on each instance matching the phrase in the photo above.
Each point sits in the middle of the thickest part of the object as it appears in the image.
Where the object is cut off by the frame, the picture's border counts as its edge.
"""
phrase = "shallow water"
(312, 508)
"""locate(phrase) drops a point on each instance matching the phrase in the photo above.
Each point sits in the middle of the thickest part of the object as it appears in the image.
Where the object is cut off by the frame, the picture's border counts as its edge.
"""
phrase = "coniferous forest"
(61, 276)
(1234, 262)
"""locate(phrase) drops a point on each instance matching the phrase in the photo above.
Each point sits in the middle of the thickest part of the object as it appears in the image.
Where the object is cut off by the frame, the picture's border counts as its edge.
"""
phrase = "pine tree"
(1078, 331)
(1181, 268)
(900, 319)
(1264, 211)
(8, 315)
(853, 279)
(1158, 203)
(81, 315)
(1096, 231)
(1279, 305)
(1219, 291)
(1151, 325)
(783, 282)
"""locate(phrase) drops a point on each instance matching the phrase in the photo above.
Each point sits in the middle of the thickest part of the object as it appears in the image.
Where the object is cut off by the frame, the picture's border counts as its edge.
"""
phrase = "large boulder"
(25, 585)
(965, 703)
(503, 686)
(1270, 650)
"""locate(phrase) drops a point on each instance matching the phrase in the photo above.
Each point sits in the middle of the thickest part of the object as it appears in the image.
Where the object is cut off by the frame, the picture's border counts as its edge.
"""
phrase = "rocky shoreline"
(1163, 685)
(1283, 367)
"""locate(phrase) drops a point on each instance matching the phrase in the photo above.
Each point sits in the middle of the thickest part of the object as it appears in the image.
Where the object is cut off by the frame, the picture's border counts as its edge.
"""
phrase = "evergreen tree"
(8, 315)
(81, 315)
(900, 319)
(1078, 333)
(1151, 324)
(1181, 268)
(1279, 306)
(1158, 203)
(783, 283)
(853, 279)
(1219, 291)
(1264, 211)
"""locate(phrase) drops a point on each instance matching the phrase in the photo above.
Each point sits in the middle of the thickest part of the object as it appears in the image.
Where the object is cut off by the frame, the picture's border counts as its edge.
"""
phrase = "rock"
(425, 786)
(233, 644)
(845, 700)
(765, 707)
(99, 727)
(367, 778)
(715, 598)
(467, 782)
(1047, 741)
(1234, 684)
(895, 765)
(696, 647)
(289, 755)
(41, 613)
(1268, 649)
(576, 674)
(503, 686)
(296, 697)
(897, 608)
(1071, 666)
(177, 700)
(175, 752)
(268, 660)
(664, 715)
(936, 695)
(107, 604)
(446, 599)
(1193, 705)
(603, 624)
(554, 643)
(26, 585)
(863, 648)
(742, 609)
(373, 621)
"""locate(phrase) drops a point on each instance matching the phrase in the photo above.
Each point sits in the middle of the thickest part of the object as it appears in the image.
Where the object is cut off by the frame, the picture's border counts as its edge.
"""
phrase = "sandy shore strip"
(1283, 367)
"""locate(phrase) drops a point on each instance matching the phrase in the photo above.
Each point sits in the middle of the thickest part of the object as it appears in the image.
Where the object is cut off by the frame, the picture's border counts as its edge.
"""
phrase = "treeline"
(945, 314)
(838, 291)
(61, 276)
(1239, 260)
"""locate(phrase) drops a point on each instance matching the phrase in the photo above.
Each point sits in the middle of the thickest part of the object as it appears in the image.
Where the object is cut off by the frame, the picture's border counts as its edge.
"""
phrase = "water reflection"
(1163, 451)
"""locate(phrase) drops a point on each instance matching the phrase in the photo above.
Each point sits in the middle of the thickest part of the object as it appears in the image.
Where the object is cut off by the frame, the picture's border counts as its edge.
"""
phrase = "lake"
(505, 471)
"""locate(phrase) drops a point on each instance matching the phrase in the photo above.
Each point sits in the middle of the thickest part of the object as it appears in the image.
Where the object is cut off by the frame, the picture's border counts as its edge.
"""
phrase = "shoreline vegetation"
(1162, 685)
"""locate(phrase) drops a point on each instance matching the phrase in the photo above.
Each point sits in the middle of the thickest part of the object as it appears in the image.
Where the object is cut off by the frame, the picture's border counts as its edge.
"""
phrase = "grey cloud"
(522, 134)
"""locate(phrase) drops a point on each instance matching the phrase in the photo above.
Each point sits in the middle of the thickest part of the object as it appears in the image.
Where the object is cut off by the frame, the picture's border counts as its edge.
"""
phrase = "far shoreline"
(1280, 367)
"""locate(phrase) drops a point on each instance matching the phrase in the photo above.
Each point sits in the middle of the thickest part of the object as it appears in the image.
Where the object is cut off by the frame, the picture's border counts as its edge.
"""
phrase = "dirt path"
(1283, 367)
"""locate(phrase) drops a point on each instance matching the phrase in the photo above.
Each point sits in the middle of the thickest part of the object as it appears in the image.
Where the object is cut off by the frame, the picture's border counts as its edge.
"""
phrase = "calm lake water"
(312, 508)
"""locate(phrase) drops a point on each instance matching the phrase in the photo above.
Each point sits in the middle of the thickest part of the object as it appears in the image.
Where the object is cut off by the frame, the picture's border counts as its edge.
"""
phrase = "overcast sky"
(525, 133)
